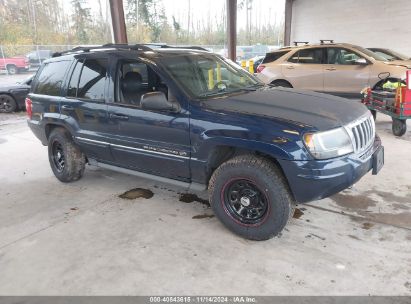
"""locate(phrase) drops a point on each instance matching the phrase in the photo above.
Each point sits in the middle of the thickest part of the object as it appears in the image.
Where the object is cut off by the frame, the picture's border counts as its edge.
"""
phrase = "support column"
(118, 21)
(287, 21)
(231, 28)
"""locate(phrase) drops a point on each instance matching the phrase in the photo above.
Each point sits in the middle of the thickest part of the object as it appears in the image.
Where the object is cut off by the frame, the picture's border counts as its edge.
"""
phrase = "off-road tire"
(74, 159)
(269, 179)
(281, 83)
(7, 104)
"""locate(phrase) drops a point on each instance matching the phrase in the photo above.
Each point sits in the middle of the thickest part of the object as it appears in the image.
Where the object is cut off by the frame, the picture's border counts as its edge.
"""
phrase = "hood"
(317, 110)
(401, 63)
(13, 86)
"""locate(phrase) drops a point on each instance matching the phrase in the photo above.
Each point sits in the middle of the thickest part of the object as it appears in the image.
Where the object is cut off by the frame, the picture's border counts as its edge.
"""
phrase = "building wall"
(369, 23)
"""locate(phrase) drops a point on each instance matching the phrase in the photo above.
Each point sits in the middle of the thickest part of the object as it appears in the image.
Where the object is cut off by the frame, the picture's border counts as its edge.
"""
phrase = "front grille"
(362, 133)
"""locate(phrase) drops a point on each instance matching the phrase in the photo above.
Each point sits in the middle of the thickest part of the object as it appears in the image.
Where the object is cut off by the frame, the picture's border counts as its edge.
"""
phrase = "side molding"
(195, 187)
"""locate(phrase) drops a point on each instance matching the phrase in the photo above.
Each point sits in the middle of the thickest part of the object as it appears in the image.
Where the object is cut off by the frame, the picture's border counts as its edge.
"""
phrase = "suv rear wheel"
(250, 196)
(66, 159)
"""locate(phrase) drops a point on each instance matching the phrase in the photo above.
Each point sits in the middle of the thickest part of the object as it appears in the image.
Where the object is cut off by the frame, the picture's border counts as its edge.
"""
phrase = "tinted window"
(51, 77)
(341, 56)
(72, 87)
(270, 57)
(311, 56)
(92, 79)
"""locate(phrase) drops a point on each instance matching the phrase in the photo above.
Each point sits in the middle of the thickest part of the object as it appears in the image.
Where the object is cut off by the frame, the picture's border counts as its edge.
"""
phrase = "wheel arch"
(381, 81)
(223, 153)
(281, 80)
(49, 127)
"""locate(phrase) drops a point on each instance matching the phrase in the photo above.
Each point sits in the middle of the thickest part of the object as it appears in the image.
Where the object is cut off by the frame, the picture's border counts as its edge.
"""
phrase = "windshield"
(369, 53)
(391, 55)
(206, 75)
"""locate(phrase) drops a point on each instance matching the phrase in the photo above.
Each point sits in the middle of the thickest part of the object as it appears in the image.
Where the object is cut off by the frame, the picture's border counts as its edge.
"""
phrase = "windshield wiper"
(212, 94)
(253, 87)
(250, 88)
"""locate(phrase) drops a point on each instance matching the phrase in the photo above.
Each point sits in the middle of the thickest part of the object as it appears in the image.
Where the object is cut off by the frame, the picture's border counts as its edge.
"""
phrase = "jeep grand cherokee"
(197, 120)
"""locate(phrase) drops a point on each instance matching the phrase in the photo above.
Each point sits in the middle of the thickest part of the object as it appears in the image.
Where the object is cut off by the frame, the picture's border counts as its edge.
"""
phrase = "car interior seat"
(132, 88)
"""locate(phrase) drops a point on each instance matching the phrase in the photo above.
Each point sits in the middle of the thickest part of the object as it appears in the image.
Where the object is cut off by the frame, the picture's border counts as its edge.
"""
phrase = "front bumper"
(317, 179)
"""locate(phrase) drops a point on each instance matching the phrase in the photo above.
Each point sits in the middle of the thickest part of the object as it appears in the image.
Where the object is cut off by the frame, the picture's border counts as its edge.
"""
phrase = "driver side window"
(341, 56)
(134, 79)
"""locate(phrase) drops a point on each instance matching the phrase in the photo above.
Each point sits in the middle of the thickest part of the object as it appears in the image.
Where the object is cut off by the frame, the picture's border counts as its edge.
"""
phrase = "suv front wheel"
(250, 196)
(66, 159)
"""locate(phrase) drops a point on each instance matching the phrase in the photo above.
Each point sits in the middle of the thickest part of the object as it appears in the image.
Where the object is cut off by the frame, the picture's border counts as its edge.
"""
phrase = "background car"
(14, 65)
(37, 57)
(251, 51)
(257, 60)
(340, 69)
(392, 56)
(12, 96)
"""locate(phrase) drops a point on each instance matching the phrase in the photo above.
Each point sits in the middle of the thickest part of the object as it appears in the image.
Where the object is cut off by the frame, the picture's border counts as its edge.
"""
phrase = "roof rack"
(192, 47)
(137, 47)
(87, 49)
(296, 43)
(326, 40)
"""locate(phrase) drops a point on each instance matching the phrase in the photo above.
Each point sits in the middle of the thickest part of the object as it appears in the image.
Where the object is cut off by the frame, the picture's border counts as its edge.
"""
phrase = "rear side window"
(88, 79)
(72, 87)
(271, 57)
(309, 56)
(51, 77)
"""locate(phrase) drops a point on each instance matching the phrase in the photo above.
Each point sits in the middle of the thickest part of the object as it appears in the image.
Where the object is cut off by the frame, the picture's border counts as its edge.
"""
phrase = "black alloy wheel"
(245, 202)
(59, 159)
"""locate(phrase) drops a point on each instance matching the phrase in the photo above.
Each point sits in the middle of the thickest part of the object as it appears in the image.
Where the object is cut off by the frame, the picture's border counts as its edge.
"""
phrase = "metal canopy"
(232, 28)
(120, 33)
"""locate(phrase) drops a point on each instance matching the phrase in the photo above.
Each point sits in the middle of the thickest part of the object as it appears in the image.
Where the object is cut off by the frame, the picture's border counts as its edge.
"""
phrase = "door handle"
(67, 108)
(290, 67)
(118, 116)
(331, 69)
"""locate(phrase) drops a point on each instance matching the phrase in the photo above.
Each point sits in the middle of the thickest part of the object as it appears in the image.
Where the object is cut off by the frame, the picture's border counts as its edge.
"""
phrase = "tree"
(147, 13)
(82, 20)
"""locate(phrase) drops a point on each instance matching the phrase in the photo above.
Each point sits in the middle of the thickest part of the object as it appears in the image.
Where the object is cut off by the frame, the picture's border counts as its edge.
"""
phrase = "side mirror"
(157, 101)
(361, 61)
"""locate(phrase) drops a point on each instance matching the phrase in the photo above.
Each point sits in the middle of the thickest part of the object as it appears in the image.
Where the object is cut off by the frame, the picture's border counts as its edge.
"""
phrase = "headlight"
(328, 144)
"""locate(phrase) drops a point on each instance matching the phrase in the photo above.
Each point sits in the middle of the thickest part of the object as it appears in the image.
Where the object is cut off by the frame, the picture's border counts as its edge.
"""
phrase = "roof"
(295, 47)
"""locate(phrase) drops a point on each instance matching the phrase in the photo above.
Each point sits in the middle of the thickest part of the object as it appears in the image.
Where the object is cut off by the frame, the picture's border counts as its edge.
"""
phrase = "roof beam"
(232, 28)
(118, 21)
(287, 22)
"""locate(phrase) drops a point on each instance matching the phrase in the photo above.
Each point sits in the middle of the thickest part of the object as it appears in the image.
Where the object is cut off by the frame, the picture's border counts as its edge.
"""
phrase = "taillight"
(260, 68)
(29, 107)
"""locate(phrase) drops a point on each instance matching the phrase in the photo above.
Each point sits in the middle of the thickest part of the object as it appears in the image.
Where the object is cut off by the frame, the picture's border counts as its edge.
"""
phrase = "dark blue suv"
(195, 119)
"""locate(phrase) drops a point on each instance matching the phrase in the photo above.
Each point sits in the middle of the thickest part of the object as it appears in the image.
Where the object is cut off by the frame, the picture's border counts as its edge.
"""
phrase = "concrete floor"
(83, 239)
